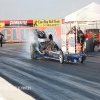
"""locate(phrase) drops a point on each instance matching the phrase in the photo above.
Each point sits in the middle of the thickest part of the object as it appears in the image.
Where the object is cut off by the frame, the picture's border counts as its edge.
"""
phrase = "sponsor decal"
(71, 43)
(18, 23)
(49, 22)
(53, 54)
(63, 22)
(2, 24)
(81, 22)
(23, 34)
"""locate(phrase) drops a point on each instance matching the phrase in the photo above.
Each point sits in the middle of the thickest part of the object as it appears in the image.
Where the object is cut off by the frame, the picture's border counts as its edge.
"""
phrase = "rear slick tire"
(61, 57)
(32, 51)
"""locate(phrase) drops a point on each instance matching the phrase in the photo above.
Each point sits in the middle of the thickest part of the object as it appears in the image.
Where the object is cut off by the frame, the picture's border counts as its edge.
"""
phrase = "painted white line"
(1, 98)
(10, 92)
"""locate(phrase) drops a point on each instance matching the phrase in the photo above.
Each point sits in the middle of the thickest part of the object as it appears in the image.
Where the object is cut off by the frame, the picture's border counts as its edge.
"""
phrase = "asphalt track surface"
(48, 79)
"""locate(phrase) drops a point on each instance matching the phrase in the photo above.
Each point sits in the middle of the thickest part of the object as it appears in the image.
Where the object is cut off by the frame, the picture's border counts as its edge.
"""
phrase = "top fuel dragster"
(41, 47)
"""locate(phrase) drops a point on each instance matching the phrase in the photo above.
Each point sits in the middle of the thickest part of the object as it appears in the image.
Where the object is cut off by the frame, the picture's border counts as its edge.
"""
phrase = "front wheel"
(81, 60)
(61, 57)
(32, 51)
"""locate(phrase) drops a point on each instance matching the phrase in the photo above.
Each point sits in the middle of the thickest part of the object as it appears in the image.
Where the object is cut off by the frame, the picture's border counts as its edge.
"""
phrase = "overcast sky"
(40, 9)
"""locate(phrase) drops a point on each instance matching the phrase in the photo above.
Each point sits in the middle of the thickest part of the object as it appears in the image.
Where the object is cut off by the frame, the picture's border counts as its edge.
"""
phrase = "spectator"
(1, 38)
(80, 36)
(72, 30)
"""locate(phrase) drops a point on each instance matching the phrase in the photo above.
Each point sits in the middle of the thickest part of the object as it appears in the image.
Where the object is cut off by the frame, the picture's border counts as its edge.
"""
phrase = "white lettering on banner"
(63, 43)
(18, 22)
(71, 41)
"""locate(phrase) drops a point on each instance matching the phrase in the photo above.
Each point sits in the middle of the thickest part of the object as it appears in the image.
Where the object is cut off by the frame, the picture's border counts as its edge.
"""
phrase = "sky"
(40, 9)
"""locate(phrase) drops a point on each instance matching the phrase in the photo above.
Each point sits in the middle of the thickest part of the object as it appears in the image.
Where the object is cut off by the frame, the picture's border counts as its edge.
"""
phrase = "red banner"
(18, 23)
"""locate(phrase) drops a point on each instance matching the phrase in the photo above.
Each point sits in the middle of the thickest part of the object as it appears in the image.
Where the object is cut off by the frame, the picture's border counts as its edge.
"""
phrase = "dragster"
(41, 47)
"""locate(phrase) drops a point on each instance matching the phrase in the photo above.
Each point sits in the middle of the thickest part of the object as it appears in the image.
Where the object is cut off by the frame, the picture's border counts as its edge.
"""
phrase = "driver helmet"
(41, 36)
(50, 37)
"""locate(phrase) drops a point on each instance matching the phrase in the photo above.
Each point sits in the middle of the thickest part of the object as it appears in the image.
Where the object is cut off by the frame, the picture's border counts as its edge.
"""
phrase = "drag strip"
(48, 79)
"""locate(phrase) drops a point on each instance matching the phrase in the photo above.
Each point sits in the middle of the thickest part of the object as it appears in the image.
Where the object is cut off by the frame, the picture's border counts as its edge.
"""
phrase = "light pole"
(18, 12)
(42, 23)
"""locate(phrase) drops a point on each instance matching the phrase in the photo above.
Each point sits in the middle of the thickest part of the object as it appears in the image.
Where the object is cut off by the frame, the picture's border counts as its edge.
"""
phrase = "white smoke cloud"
(32, 39)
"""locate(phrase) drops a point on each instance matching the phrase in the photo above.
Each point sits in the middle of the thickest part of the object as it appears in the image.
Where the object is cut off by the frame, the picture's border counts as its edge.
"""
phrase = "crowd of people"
(80, 34)
(80, 38)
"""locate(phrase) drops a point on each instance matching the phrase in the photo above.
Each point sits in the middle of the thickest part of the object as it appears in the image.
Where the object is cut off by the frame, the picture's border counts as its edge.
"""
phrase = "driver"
(51, 45)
